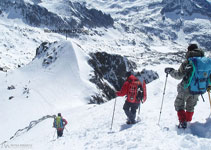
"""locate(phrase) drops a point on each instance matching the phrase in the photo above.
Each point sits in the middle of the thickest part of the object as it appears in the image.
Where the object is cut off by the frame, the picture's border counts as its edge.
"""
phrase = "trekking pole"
(66, 129)
(209, 98)
(202, 98)
(54, 134)
(113, 114)
(68, 133)
(163, 97)
(138, 118)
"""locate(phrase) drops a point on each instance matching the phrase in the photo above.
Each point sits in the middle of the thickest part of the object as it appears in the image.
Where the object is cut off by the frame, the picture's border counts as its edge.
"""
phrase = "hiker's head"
(192, 47)
(128, 73)
(59, 114)
(194, 51)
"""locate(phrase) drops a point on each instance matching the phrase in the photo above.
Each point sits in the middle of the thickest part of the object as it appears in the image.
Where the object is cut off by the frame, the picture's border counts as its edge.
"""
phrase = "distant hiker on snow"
(188, 94)
(136, 93)
(59, 123)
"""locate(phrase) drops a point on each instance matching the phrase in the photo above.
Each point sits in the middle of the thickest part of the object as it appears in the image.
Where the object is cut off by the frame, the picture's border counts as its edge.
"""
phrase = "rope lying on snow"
(30, 126)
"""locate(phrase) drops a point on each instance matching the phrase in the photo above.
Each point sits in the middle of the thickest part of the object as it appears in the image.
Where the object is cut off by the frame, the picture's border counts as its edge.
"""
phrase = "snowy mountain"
(43, 73)
(36, 14)
(145, 25)
(187, 7)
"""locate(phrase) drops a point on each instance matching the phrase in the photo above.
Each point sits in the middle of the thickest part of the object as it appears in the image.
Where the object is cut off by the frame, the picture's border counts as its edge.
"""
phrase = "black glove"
(188, 69)
(168, 70)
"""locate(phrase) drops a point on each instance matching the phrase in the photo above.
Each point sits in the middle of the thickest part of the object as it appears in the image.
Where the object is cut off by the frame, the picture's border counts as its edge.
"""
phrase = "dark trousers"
(59, 133)
(130, 110)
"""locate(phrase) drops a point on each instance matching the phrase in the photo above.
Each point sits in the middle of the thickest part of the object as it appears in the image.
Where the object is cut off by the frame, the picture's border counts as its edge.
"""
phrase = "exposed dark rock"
(111, 67)
(11, 97)
(147, 75)
(41, 49)
(49, 55)
(12, 87)
(4, 69)
(109, 74)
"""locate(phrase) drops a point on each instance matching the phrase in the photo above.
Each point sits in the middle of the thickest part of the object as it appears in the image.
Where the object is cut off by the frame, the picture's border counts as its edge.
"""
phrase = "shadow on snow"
(202, 130)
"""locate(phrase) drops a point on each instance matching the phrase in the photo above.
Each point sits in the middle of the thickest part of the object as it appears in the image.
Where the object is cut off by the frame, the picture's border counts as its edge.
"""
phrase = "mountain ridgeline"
(38, 16)
(108, 70)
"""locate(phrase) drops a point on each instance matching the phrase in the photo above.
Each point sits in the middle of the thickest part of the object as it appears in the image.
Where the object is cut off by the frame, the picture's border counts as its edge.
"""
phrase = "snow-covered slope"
(57, 80)
(41, 89)
(89, 126)
(18, 42)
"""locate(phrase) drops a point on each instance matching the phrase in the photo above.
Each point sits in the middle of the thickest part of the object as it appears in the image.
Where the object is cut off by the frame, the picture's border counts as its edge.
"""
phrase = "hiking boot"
(133, 122)
(128, 122)
(183, 125)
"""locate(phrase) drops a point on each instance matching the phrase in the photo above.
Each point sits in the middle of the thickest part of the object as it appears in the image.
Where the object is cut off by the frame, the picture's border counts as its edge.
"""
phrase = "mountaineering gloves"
(168, 70)
(188, 68)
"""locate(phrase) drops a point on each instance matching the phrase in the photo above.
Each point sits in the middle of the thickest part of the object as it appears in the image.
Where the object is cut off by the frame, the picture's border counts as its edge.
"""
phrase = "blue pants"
(59, 133)
(130, 110)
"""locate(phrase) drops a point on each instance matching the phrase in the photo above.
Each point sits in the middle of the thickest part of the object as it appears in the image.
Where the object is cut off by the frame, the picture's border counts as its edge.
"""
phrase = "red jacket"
(125, 88)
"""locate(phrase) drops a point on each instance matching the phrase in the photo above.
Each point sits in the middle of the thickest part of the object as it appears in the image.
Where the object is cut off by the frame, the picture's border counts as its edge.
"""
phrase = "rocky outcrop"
(48, 54)
(109, 74)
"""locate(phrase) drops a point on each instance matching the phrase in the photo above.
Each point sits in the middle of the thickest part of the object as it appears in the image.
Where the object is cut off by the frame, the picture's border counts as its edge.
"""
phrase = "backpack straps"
(61, 123)
(209, 80)
(191, 77)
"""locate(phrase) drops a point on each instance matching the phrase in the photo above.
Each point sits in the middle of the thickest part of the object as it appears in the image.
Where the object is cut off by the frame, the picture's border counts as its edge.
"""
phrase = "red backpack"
(136, 92)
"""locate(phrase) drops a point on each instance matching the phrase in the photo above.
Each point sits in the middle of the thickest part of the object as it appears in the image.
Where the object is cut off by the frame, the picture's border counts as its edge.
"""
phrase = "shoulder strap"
(61, 122)
(209, 81)
(191, 77)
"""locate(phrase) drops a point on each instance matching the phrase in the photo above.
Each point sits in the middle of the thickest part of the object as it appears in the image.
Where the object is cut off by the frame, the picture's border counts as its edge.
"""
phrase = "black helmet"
(59, 114)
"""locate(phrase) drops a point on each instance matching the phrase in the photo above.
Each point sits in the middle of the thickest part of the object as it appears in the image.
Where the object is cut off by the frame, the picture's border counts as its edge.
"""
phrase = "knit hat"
(192, 47)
